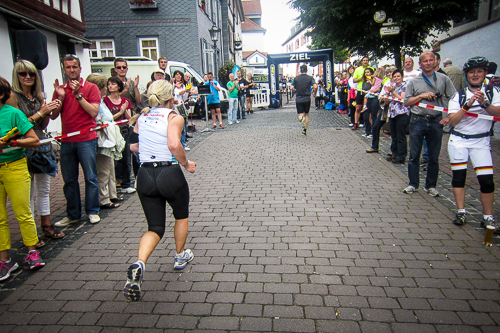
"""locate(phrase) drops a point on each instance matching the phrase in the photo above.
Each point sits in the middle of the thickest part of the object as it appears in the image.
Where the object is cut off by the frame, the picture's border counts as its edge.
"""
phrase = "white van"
(144, 67)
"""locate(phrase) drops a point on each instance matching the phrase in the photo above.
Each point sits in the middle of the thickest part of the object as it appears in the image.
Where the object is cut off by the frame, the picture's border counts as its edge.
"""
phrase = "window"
(149, 47)
(102, 48)
(176, 68)
(494, 9)
(465, 21)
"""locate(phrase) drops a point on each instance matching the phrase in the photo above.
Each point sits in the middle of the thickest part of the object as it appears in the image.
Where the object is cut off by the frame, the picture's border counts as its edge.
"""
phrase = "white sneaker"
(128, 190)
(432, 191)
(187, 148)
(409, 189)
(351, 124)
(237, 121)
(361, 125)
(94, 218)
(230, 123)
(181, 260)
(65, 222)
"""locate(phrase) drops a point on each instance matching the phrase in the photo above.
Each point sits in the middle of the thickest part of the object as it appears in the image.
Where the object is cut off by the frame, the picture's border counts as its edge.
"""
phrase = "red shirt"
(73, 117)
(116, 108)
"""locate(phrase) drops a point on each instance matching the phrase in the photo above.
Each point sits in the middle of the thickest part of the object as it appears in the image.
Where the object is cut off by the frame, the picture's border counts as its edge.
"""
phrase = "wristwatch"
(79, 97)
(485, 105)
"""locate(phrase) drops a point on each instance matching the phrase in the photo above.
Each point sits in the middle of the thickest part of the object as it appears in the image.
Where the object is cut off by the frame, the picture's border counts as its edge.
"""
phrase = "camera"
(439, 95)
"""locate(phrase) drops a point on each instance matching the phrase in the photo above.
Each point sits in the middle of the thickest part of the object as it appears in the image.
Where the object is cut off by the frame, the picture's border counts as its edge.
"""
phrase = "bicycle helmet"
(475, 62)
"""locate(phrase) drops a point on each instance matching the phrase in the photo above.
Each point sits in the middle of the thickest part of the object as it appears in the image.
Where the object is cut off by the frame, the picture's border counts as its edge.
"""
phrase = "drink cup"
(488, 239)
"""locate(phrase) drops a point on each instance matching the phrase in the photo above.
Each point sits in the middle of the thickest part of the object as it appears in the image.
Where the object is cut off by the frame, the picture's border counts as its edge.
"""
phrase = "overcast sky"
(277, 19)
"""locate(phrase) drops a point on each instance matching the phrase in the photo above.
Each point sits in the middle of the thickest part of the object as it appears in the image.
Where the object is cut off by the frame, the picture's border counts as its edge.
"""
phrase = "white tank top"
(153, 136)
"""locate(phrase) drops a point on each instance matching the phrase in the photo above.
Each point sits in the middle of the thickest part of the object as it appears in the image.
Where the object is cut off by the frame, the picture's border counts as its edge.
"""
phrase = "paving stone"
(283, 311)
(256, 324)
(293, 325)
(337, 326)
(218, 323)
(177, 322)
(438, 317)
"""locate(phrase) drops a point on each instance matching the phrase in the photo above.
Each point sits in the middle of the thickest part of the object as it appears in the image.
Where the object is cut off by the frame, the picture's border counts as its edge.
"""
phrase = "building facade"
(232, 39)
(298, 42)
(253, 33)
(35, 29)
(480, 36)
(178, 30)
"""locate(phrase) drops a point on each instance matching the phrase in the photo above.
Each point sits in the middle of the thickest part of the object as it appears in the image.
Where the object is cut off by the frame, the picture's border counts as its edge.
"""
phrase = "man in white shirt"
(410, 73)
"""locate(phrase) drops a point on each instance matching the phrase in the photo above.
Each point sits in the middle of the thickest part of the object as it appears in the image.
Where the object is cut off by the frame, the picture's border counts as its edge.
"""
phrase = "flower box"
(142, 4)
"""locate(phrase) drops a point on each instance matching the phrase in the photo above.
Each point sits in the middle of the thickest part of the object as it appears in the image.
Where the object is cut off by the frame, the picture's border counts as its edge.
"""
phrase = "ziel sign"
(299, 56)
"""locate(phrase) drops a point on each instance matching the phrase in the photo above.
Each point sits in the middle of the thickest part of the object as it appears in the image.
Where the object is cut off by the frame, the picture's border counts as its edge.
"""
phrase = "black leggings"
(156, 187)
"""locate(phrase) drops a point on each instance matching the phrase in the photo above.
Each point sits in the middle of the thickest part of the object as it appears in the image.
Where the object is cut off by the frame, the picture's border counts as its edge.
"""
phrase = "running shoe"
(128, 190)
(183, 258)
(304, 132)
(303, 121)
(221, 126)
(33, 259)
(7, 267)
(214, 126)
(490, 221)
(432, 191)
(94, 218)
(65, 222)
(460, 219)
(132, 289)
(409, 189)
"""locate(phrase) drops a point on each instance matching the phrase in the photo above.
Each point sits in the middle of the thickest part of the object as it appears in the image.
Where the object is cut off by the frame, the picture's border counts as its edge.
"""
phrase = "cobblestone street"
(289, 233)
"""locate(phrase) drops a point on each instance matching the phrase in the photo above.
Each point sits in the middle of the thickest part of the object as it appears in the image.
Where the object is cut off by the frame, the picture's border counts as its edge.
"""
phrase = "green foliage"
(348, 25)
(224, 72)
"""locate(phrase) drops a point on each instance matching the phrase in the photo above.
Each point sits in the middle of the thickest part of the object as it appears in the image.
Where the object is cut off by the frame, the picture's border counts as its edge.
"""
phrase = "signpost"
(391, 30)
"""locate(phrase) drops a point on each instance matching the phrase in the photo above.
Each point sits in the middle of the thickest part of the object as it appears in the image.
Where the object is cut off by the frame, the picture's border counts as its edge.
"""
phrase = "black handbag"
(42, 160)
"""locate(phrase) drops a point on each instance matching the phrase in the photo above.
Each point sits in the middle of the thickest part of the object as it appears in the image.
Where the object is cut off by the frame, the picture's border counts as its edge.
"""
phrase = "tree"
(349, 24)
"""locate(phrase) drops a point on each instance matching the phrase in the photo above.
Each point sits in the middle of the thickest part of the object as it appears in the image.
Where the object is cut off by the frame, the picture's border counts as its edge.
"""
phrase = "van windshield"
(196, 75)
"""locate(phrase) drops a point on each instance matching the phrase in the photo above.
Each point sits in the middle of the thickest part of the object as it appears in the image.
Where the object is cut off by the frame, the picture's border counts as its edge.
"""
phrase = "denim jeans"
(421, 127)
(241, 102)
(233, 109)
(377, 125)
(398, 135)
(85, 154)
(373, 107)
(183, 133)
(123, 167)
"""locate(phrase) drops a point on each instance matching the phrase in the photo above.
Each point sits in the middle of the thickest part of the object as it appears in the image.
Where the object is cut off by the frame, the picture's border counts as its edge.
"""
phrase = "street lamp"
(214, 35)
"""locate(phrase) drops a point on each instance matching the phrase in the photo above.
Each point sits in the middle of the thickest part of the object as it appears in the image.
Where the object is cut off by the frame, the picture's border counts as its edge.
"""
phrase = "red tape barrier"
(437, 108)
(92, 129)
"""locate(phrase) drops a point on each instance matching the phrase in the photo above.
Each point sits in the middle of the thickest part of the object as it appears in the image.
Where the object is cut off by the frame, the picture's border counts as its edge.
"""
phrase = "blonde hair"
(98, 79)
(26, 66)
(159, 93)
(380, 73)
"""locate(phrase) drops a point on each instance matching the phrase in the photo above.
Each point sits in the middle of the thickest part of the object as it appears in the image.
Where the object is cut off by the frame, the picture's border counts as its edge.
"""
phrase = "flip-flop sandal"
(110, 205)
(117, 200)
(54, 234)
(40, 244)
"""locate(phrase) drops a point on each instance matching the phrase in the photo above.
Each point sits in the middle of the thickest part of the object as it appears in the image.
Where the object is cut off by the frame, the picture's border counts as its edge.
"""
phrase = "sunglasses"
(24, 74)
(121, 67)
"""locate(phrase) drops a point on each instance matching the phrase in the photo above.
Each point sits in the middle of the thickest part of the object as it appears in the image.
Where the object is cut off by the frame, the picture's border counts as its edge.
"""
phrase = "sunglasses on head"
(121, 67)
(24, 74)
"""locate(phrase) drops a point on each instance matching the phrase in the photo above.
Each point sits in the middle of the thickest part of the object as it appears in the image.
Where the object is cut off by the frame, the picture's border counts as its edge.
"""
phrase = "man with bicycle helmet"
(470, 137)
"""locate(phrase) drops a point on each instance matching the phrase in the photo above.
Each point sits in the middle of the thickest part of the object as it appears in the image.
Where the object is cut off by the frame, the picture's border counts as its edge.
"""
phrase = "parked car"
(143, 67)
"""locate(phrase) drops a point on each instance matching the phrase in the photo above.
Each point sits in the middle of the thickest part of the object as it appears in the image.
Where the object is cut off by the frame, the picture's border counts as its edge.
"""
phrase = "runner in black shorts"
(156, 137)
(302, 85)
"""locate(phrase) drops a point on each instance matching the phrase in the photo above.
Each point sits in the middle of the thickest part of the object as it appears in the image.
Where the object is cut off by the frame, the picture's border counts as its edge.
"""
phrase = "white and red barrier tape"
(118, 123)
(437, 108)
